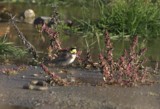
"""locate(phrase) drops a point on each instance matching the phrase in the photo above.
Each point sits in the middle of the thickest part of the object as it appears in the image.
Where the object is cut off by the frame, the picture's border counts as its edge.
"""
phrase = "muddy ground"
(14, 96)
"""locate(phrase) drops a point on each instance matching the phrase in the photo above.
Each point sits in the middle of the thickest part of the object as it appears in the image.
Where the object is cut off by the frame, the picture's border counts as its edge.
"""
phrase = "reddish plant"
(105, 67)
(12, 71)
(57, 79)
(128, 70)
(86, 61)
(54, 37)
(55, 44)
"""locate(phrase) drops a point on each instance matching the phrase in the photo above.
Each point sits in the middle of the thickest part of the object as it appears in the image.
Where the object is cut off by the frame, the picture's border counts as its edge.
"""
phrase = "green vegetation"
(133, 17)
(9, 50)
(119, 17)
(122, 18)
(125, 17)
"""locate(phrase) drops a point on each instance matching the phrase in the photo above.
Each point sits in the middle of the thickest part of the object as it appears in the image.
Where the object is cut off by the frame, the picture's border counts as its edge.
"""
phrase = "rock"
(35, 75)
(39, 83)
(28, 86)
(23, 76)
(29, 16)
(46, 76)
(29, 13)
(41, 88)
(72, 79)
(34, 82)
(33, 87)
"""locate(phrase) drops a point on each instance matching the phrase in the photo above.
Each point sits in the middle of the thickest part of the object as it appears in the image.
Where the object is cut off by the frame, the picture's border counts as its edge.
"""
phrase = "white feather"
(73, 58)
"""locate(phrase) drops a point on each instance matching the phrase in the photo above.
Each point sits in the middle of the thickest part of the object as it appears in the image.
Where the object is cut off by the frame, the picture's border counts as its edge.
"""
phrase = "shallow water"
(41, 42)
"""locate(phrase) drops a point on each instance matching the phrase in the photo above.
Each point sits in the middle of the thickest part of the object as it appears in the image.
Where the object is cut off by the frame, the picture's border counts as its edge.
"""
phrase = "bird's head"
(73, 50)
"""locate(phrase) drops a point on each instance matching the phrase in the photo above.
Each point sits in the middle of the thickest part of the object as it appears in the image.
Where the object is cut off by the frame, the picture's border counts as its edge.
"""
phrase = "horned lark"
(65, 57)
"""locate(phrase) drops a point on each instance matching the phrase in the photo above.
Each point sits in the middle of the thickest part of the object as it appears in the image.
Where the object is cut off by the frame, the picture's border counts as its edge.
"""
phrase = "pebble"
(41, 72)
(29, 13)
(35, 67)
(35, 75)
(39, 83)
(73, 79)
(32, 87)
(46, 76)
(37, 104)
(36, 85)
(52, 93)
(41, 88)
(34, 81)
(23, 76)
(28, 86)
(42, 83)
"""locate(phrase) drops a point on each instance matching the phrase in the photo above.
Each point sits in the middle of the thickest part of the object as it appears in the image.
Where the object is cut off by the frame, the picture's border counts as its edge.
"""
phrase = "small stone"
(61, 72)
(153, 94)
(35, 75)
(34, 82)
(35, 67)
(41, 83)
(23, 76)
(29, 13)
(52, 93)
(38, 104)
(41, 88)
(72, 79)
(28, 86)
(46, 76)
(88, 66)
(32, 87)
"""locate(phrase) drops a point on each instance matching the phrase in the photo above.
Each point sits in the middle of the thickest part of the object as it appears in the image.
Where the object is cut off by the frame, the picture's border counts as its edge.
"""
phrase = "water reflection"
(41, 42)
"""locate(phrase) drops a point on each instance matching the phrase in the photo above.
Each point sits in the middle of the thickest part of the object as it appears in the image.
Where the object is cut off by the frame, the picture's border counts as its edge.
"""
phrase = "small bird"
(66, 57)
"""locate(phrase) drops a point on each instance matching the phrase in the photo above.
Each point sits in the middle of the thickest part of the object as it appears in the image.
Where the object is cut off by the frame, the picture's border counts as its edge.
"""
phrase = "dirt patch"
(85, 96)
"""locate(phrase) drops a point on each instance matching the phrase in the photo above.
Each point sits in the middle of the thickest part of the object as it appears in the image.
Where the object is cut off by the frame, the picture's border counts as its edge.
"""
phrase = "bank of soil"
(14, 96)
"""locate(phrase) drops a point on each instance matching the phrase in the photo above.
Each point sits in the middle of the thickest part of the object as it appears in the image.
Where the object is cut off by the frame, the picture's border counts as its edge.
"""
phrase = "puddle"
(70, 40)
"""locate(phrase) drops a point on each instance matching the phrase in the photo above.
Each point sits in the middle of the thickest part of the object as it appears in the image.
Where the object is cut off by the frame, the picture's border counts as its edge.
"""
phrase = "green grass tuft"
(9, 50)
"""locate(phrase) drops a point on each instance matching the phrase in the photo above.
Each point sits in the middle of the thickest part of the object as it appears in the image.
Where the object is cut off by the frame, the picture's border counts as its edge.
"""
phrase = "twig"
(28, 45)
(57, 79)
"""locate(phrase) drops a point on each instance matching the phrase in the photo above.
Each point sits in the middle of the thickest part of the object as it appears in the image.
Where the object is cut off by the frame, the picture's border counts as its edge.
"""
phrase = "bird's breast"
(73, 58)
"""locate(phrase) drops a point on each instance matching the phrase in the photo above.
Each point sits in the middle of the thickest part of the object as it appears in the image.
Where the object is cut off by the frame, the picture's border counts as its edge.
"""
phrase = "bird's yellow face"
(73, 51)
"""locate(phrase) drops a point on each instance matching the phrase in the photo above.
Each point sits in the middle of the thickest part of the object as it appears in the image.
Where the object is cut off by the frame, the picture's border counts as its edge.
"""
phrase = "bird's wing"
(63, 56)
